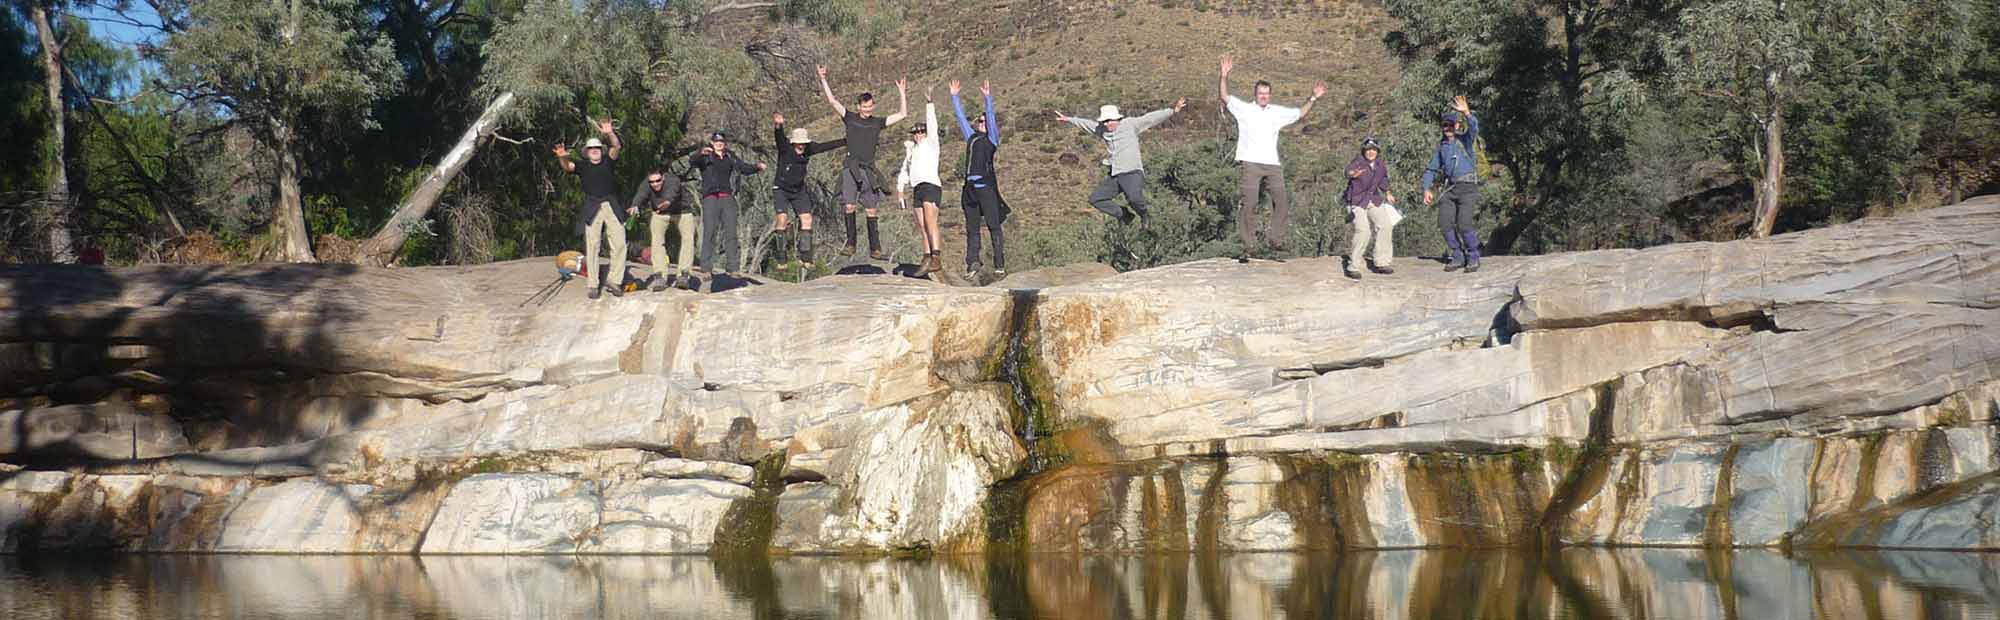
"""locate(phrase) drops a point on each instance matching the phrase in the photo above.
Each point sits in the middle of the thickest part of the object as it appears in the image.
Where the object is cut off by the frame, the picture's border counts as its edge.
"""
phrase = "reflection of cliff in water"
(1580, 583)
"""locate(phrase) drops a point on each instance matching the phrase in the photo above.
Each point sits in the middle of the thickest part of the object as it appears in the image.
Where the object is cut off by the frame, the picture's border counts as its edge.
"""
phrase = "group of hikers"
(919, 187)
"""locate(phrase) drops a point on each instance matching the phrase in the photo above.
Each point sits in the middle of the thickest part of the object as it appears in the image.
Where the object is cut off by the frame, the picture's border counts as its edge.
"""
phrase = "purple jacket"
(1372, 187)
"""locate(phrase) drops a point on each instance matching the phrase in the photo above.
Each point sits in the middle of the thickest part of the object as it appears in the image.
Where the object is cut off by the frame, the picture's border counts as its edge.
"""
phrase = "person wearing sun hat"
(1126, 168)
(788, 186)
(598, 216)
(719, 165)
(1368, 203)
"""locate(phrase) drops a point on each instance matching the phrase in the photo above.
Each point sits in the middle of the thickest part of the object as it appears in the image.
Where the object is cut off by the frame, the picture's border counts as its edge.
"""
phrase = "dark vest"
(979, 157)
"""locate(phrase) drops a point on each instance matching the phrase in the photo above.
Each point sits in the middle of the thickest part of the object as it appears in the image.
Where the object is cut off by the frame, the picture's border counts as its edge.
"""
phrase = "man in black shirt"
(860, 181)
(597, 216)
(720, 249)
(789, 195)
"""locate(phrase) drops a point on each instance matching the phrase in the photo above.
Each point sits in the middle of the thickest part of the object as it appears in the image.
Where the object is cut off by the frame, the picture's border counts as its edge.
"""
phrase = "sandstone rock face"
(1828, 388)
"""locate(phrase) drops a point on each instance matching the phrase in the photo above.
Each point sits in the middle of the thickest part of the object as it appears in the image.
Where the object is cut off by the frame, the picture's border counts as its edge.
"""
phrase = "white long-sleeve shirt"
(920, 159)
(1257, 129)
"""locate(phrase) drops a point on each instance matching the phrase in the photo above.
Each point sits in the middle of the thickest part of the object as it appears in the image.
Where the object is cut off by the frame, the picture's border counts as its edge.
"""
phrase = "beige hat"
(593, 143)
(1108, 113)
(799, 136)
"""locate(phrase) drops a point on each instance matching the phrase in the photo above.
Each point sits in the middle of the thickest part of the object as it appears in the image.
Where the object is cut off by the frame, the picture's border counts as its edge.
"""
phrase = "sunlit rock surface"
(1838, 387)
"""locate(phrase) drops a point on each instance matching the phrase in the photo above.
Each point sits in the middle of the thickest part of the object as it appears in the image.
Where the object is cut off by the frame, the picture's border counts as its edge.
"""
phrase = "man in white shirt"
(1257, 126)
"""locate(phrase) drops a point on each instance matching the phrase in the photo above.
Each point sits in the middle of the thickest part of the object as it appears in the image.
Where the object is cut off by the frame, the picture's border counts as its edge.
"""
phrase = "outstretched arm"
(992, 120)
(822, 147)
(1319, 90)
(562, 158)
(902, 103)
(958, 110)
(1471, 122)
(825, 89)
(1222, 85)
(604, 127)
(1085, 124)
(1156, 117)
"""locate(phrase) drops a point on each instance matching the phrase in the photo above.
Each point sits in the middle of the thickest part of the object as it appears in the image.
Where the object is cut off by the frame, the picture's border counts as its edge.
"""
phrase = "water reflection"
(1575, 583)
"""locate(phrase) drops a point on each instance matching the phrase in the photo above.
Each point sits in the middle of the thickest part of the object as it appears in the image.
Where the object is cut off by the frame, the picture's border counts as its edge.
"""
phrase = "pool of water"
(1571, 583)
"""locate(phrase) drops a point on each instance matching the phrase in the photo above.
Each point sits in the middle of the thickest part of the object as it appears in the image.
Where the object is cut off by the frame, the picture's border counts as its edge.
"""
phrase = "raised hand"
(708, 150)
(822, 71)
(1180, 103)
(954, 88)
(1060, 117)
(777, 118)
(604, 127)
(1458, 103)
(927, 91)
(1227, 64)
(986, 88)
(1319, 90)
(562, 150)
(902, 84)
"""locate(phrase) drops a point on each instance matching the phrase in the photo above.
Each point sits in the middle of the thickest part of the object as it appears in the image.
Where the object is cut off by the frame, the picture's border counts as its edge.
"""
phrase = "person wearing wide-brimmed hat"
(598, 215)
(1456, 165)
(788, 187)
(1126, 168)
(719, 165)
(1368, 201)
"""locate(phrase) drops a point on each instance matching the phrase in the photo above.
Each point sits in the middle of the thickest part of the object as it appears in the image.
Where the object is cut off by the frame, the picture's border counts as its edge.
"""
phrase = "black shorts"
(796, 203)
(927, 192)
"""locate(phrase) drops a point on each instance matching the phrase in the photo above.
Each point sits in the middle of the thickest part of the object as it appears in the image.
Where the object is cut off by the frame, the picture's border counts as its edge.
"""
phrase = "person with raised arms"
(598, 217)
(720, 247)
(1257, 127)
(919, 174)
(788, 188)
(1456, 165)
(860, 181)
(1126, 168)
(980, 195)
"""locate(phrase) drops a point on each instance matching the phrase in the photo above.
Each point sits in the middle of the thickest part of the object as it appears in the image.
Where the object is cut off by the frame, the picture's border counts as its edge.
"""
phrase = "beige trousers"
(604, 224)
(1371, 223)
(684, 224)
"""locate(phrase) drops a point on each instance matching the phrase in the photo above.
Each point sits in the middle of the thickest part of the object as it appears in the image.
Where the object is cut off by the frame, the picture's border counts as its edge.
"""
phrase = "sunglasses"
(656, 181)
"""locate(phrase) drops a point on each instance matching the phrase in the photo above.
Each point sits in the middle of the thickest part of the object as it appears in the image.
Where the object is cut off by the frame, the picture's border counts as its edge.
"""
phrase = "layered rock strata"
(1838, 387)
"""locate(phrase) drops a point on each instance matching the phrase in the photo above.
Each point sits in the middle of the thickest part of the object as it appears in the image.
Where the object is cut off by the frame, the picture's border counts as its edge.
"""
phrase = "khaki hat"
(593, 143)
(799, 136)
(1108, 113)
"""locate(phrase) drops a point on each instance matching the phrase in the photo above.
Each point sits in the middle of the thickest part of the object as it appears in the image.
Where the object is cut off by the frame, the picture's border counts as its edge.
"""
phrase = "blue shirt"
(965, 126)
(1454, 157)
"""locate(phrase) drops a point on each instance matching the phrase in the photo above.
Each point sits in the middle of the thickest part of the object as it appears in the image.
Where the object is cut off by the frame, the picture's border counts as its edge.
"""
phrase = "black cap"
(1448, 117)
(718, 137)
(920, 128)
(1370, 143)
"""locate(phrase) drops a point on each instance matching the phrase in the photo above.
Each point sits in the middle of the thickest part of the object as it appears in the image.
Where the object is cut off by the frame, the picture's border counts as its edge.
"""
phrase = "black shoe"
(594, 294)
(1352, 273)
(1472, 266)
(1381, 269)
(1126, 217)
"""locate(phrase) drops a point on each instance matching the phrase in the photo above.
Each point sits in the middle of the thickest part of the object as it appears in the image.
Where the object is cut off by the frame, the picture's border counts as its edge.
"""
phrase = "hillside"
(1074, 56)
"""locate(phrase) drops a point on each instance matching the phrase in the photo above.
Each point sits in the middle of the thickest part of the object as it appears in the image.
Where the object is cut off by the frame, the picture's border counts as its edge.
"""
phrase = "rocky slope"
(1832, 388)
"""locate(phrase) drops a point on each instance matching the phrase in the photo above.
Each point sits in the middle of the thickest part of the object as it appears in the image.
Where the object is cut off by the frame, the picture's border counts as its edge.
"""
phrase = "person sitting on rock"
(597, 216)
(919, 173)
(720, 248)
(1126, 168)
(788, 188)
(1368, 205)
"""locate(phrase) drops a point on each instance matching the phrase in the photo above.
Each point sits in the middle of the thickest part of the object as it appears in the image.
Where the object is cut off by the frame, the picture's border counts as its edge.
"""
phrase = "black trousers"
(984, 207)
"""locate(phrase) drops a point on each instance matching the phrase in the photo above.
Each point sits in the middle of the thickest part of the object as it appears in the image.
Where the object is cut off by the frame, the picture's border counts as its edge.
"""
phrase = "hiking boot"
(928, 265)
(848, 250)
(1472, 266)
(877, 255)
(1457, 263)
(661, 283)
(1126, 217)
(999, 273)
(616, 291)
(1381, 269)
(972, 272)
(594, 294)
(1352, 273)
